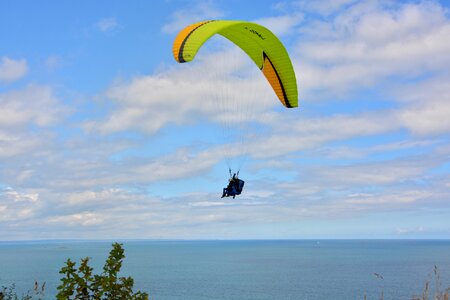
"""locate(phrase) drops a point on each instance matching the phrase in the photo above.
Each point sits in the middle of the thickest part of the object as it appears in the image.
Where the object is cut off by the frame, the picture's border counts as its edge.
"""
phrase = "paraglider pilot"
(235, 186)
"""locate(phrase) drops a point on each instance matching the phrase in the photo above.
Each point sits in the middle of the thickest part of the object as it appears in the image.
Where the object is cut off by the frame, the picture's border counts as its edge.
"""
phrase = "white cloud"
(428, 119)
(210, 86)
(365, 49)
(208, 203)
(34, 105)
(11, 70)
(334, 152)
(402, 198)
(94, 197)
(201, 11)
(180, 165)
(20, 197)
(53, 62)
(84, 219)
(65, 168)
(14, 144)
(334, 198)
(427, 106)
(239, 202)
(281, 25)
(18, 205)
(325, 7)
(400, 145)
(375, 174)
(413, 230)
(107, 25)
(292, 135)
(139, 215)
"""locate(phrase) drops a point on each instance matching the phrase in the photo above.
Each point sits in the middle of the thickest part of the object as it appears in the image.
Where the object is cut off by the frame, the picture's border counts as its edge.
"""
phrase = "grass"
(9, 292)
(438, 293)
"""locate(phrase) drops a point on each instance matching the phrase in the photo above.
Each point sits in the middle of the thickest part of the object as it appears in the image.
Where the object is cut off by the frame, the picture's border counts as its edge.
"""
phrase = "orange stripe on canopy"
(274, 79)
(180, 40)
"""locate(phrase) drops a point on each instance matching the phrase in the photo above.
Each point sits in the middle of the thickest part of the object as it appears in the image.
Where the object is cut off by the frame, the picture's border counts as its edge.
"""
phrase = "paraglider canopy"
(260, 44)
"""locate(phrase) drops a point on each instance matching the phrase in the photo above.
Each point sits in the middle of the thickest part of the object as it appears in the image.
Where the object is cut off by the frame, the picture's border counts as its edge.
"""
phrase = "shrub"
(82, 284)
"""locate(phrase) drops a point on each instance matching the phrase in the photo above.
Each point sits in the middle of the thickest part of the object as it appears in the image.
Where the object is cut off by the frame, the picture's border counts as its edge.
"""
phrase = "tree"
(82, 284)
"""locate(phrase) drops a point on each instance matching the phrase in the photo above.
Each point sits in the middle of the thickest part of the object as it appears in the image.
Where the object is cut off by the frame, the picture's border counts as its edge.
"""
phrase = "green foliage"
(82, 284)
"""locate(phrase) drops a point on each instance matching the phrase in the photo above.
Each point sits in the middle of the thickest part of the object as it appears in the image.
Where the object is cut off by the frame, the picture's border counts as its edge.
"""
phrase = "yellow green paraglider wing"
(260, 44)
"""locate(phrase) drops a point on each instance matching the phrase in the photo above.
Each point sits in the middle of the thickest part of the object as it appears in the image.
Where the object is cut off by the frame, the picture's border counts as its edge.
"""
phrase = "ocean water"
(232, 270)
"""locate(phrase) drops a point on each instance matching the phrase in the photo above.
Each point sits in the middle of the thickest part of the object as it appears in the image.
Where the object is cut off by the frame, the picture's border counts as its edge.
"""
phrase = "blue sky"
(103, 135)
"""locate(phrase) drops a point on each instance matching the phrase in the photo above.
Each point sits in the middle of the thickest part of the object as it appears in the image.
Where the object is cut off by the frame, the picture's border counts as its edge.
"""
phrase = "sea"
(245, 269)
